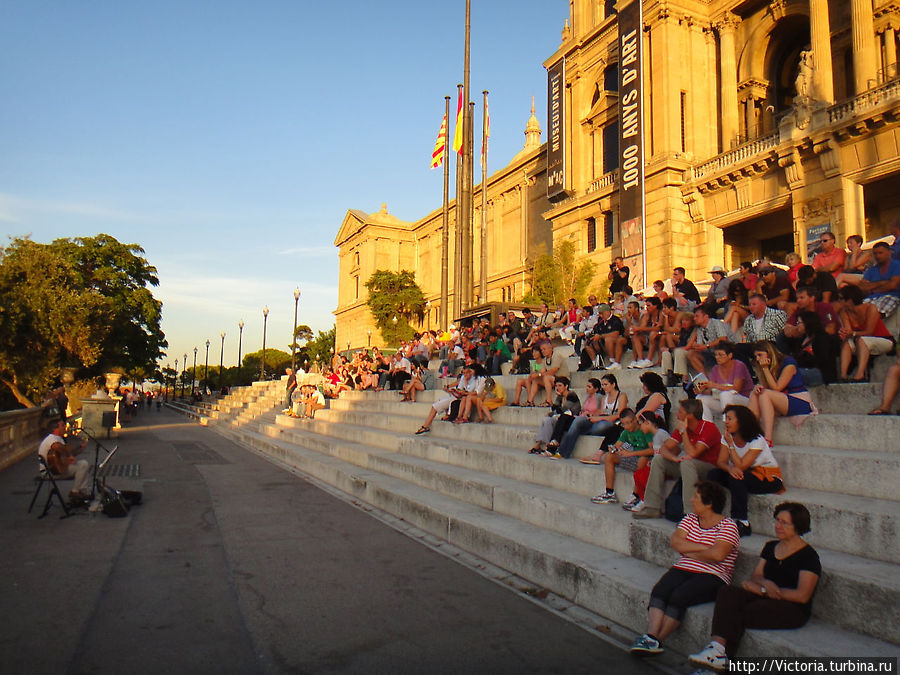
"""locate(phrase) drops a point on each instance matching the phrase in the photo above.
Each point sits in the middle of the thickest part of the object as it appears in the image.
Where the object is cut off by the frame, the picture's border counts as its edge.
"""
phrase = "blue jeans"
(581, 425)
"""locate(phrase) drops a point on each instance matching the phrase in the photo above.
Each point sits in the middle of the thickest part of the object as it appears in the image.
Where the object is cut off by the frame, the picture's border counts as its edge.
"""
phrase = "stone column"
(728, 79)
(863, 26)
(820, 34)
(890, 52)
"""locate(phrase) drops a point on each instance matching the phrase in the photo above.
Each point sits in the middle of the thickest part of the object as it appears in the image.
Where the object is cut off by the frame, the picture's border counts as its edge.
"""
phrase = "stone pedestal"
(92, 415)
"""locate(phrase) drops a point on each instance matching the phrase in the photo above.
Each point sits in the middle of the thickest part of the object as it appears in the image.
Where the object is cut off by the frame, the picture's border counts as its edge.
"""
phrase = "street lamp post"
(294, 331)
(262, 367)
(394, 321)
(222, 357)
(240, 338)
(194, 372)
(369, 334)
(184, 377)
(428, 315)
(166, 380)
(206, 369)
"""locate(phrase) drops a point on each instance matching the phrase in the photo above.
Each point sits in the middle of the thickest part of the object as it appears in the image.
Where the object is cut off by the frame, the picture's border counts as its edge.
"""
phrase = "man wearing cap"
(776, 288)
(718, 289)
(607, 331)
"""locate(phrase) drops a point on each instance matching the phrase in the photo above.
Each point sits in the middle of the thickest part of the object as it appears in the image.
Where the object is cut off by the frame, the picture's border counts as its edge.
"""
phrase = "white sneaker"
(645, 363)
(615, 365)
(712, 656)
(634, 364)
(633, 504)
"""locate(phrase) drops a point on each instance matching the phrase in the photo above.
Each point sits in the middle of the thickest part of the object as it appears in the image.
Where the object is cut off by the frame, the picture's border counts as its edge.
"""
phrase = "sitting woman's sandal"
(423, 430)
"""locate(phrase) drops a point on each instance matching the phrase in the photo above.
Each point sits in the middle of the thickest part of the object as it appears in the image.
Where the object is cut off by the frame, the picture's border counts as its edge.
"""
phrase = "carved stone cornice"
(752, 88)
(726, 22)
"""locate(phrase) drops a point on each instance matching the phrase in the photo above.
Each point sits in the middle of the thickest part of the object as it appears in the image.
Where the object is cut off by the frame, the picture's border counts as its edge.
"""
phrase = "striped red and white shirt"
(726, 530)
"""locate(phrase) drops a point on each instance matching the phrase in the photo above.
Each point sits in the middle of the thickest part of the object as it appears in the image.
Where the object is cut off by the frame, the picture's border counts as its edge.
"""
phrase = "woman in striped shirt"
(708, 543)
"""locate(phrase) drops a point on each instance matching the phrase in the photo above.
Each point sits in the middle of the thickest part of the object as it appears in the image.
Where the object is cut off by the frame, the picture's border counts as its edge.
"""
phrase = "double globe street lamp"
(262, 367)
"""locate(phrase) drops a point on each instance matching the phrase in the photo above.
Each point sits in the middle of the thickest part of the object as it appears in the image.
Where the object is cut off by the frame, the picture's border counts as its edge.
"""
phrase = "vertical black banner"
(631, 140)
(556, 139)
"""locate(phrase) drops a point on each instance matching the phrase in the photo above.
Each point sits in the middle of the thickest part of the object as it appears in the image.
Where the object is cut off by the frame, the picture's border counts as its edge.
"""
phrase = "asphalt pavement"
(233, 564)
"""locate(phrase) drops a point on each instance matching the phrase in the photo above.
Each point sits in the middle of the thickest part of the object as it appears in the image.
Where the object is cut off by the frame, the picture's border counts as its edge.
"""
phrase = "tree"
(82, 301)
(321, 347)
(556, 278)
(276, 360)
(395, 294)
(301, 333)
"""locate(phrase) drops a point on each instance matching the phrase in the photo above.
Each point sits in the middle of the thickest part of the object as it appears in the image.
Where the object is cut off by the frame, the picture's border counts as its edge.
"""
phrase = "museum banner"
(556, 139)
(631, 141)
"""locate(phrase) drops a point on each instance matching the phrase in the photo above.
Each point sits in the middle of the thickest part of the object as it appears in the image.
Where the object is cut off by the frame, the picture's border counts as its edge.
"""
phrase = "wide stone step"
(611, 584)
(871, 583)
(819, 468)
(865, 523)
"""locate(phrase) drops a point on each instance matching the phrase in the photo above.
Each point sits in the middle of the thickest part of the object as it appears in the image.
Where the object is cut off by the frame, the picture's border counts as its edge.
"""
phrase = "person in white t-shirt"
(60, 459)
(746, 464)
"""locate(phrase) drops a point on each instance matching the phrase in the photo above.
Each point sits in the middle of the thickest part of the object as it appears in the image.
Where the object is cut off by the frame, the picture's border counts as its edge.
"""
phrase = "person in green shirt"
(499, 353)
(632, 451)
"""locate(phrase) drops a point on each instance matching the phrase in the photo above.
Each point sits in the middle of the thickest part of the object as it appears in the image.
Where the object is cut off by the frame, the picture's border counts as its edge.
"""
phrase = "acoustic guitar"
(59, 457)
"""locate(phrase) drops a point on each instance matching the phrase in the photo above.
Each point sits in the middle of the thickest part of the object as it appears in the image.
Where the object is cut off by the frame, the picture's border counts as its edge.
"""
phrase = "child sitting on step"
(633, 451)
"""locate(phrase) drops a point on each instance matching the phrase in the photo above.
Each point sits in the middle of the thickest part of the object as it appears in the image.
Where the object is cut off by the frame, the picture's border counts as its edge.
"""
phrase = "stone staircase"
(475, 486)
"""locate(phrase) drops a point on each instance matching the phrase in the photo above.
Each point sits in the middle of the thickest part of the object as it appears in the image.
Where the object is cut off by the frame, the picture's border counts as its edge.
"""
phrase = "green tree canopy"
(558, 277)
(395, 294)
(276, 360)
(320, 348)
(82, 302)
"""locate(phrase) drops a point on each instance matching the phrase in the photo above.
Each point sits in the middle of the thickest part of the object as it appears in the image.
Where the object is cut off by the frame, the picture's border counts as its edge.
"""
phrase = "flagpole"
(466, 200)
(470, 203)
(458, 234)
(484, 150)
(445, 226)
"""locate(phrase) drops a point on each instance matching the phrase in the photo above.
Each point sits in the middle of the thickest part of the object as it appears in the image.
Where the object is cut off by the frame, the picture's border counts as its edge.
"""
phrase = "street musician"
(60, 457)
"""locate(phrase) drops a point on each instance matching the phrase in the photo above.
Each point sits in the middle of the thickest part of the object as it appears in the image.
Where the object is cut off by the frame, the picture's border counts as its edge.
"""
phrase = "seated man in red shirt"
(690, 454)
(831, 258)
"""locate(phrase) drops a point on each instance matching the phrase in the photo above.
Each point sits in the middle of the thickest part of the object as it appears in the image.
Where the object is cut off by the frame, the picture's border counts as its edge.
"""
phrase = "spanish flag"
(440, 146)
(458, 132)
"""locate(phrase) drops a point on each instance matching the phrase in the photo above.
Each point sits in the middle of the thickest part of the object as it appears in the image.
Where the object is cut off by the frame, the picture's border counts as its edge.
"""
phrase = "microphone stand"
(97, 447)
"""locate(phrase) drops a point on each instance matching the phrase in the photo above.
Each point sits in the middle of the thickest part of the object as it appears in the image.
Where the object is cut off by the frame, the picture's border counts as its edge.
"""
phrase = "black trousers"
(737, 609)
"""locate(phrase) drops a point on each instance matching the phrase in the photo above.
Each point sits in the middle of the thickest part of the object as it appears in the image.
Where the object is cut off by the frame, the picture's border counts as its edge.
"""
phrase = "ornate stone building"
(765, 122)
(516, 234)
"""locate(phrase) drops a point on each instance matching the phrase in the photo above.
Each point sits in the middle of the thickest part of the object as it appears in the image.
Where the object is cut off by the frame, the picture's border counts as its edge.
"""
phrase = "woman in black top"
(778, 594)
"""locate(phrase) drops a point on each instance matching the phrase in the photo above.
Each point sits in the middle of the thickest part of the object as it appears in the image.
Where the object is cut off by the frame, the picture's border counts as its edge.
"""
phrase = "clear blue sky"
(229, 138)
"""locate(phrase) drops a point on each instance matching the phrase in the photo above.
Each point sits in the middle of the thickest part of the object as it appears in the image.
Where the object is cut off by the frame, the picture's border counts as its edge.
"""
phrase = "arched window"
(611, 77)
(787, 40)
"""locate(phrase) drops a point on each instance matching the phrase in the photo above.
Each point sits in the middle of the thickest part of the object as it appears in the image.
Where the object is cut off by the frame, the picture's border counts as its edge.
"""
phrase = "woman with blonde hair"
(780, 391)
(794, 263)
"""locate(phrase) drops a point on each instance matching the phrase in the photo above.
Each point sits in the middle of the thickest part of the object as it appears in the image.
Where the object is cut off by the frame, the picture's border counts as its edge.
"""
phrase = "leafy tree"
(321, 347)
(276, 361)
(75, 301)
(302, 333)
(558, 277)
(395, 294)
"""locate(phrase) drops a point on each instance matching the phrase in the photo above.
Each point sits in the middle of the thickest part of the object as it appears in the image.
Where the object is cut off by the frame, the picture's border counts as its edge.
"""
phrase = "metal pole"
(184, 377)
(445, 223)
(240, 338)
(166, 381)
(466, 290)
(222, 359)
(484, 140)
(206, 370)
(262, 366)
(194, 372)
(294, 331)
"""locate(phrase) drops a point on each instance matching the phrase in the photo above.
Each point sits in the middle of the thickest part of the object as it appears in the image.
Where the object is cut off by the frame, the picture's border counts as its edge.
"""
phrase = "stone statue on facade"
(804, 84)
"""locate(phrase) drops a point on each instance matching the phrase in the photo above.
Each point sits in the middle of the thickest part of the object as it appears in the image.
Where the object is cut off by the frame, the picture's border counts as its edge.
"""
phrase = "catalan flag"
(458, 132)
(440, 146)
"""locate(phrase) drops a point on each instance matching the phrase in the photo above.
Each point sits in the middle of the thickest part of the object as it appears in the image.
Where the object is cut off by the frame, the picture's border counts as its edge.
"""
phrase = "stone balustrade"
(20, 432)
(864, 102)
(736, 155)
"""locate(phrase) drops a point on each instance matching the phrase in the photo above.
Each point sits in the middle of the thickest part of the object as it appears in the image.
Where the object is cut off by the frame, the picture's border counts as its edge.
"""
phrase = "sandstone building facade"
(765, 123)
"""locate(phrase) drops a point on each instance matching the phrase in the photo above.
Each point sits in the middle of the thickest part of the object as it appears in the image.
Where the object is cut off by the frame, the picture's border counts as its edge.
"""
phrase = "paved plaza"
(235, 565)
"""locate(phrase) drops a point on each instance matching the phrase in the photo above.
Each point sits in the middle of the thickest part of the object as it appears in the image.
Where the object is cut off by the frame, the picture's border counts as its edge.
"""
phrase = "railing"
(865, 101)
(605, 180)
(738, 154)
(20, 432)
